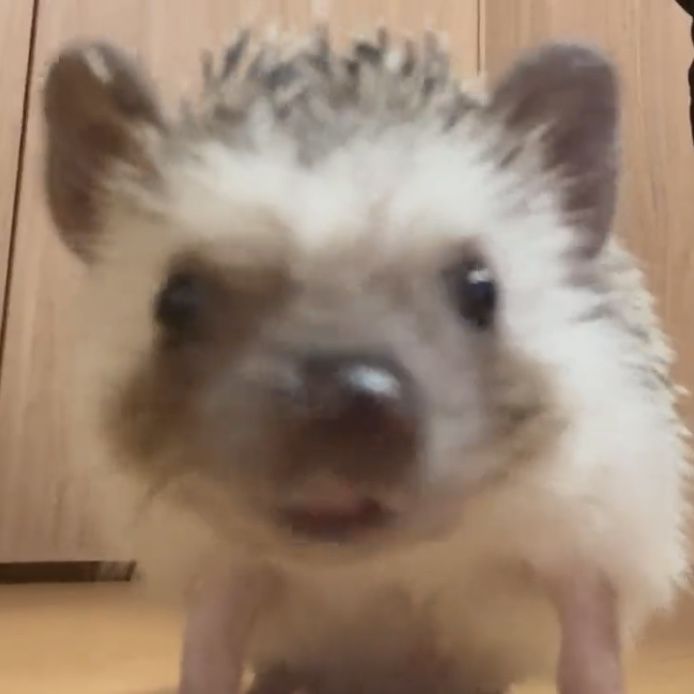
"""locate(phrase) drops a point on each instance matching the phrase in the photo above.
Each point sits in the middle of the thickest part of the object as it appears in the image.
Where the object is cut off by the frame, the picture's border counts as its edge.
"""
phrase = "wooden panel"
(46, 511)
(15, 39)
(650, 41)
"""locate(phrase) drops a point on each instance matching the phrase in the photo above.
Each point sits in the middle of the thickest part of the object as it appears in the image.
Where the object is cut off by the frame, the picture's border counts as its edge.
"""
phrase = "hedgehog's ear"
(567, 95)
(100, 115)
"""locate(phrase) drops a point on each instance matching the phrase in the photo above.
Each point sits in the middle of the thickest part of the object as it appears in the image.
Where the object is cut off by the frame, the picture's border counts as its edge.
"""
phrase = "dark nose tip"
(356, 416)
(371, 396)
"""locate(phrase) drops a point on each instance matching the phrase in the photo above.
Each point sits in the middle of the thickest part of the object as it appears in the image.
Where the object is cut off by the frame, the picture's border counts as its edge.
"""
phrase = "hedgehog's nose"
(361, 407)
(370, 391)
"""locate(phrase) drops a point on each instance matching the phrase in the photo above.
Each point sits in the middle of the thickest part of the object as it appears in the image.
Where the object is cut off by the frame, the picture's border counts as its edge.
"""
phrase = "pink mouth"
(326, 509)
(337, 524)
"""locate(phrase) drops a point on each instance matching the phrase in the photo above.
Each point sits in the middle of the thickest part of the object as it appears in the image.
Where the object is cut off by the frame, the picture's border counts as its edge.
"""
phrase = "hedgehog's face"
(342, 350)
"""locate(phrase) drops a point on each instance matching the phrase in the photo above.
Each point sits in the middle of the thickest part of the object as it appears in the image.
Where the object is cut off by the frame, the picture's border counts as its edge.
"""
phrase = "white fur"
(612, 496)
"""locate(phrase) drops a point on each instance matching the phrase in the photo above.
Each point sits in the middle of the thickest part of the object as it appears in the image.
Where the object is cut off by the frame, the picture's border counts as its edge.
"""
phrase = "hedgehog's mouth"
(339, 524)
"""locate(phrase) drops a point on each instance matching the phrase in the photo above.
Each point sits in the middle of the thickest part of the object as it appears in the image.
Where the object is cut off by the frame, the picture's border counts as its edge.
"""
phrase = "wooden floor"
(105, 640)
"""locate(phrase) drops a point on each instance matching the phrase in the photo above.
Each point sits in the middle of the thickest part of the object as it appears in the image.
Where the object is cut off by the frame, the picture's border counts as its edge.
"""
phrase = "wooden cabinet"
(47, 510)
(15, 38)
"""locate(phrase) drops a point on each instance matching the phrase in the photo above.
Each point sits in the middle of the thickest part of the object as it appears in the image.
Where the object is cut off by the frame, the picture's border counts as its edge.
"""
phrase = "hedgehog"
(374, 382)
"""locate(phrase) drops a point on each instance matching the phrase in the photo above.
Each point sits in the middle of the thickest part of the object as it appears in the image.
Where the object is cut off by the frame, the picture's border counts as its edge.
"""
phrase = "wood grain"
(46, 509)
(15, 39)
(649, 39)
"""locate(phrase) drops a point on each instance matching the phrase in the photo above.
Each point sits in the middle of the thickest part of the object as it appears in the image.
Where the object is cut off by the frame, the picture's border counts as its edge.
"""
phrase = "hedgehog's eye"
(473, 292)
(179, 302)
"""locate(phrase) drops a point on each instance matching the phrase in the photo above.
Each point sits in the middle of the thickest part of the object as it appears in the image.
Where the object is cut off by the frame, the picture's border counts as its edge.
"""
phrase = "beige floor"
(106, 640)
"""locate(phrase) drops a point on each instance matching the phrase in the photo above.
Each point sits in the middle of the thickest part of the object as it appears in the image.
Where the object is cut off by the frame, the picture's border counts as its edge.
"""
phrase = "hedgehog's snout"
(365, 405)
